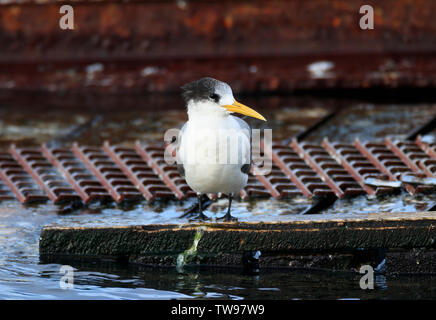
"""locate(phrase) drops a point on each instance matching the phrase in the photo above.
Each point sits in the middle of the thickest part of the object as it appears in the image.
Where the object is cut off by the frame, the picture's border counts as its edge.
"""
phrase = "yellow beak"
(240, 108)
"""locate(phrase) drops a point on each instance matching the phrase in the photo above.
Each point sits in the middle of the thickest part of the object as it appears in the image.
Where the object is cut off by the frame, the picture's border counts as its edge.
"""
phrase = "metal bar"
(424, 167)
(85, 184)
(266, 182)
(45, 175)
(19, 181)
(145, 152)
(106, 171)
(373, 159)
(254, 188)
(347, 166)
(390, 166)
(424, 146)
(331, 172)
(138, 171)
(269, 151)
(16, 154)
(303, 176)
(414, 156)
(276, 182)
(401, 154)
(4, 168)
(302, 153)
(427, 164)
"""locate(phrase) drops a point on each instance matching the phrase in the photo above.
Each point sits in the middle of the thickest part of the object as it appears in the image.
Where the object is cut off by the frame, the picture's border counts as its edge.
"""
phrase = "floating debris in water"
(382, 183)
(418, 180)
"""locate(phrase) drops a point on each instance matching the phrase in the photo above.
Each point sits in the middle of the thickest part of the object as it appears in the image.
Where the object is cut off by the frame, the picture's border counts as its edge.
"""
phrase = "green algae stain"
(191, 253)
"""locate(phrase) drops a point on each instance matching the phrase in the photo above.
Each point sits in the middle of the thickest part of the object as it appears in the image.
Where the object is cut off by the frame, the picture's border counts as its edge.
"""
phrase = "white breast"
(213, 149)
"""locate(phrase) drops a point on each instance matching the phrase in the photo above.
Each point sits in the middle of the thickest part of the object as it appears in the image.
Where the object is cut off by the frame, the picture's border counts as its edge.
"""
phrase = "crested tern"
(214, 147)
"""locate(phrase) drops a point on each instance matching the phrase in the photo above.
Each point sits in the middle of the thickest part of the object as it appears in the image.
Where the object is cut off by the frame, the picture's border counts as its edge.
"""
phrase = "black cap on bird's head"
(213, 90)
(203, 89)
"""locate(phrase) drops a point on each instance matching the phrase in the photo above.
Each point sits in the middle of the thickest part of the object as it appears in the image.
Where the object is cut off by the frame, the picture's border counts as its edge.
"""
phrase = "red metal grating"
(19, 181)
(120, 173)
(330, 171)
(413, 156)
(107, 172)
(139, 172)
(77, 174)
(430, 149)
(307, 181)
(390, 164)
(5, 191)
(276, 182)
(254, 188)
(45, 174)
(357, 166)
(261, 184)
(154, 156)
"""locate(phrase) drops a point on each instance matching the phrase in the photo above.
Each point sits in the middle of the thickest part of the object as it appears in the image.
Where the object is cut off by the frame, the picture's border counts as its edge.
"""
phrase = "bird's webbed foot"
(195, 212)
(200, 217)
(227, 218)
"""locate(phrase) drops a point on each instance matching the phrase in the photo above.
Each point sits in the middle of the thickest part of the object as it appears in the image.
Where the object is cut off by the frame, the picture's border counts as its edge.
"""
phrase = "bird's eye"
(215, 97)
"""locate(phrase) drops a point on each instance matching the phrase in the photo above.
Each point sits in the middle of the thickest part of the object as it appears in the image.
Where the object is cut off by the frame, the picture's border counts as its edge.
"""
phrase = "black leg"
(193, 211)
(228, 216)
(201, 216)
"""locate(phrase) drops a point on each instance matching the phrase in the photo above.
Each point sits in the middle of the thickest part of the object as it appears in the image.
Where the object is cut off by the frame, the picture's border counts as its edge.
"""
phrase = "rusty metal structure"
(158, 45)
(118, 173)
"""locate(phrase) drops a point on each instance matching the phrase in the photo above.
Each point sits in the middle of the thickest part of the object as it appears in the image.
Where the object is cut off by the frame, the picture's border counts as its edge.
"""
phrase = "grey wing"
(180, 167)
(247, 130)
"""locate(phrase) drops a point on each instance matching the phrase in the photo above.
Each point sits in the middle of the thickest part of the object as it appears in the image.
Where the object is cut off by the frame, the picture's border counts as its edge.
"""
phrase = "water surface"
(90, 120)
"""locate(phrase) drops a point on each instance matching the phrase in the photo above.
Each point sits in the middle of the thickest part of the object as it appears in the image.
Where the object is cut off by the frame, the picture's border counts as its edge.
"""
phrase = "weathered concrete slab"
(310, 243)
(417, 260)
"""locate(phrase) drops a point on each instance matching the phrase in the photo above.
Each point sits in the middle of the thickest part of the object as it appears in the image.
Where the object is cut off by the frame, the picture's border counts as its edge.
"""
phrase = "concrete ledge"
(311, 243)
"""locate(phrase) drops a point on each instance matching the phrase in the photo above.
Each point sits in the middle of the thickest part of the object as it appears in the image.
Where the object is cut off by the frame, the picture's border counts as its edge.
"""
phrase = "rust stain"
(11, 19)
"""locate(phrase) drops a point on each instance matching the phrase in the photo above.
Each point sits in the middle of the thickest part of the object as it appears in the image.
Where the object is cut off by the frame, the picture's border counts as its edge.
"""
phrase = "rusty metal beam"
(113, 48)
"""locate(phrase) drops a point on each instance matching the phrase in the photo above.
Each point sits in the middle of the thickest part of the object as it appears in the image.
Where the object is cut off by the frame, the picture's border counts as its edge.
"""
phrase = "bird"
(214, 146)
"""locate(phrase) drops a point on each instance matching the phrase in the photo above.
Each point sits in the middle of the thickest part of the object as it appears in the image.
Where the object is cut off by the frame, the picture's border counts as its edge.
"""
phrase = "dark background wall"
(138, 46)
